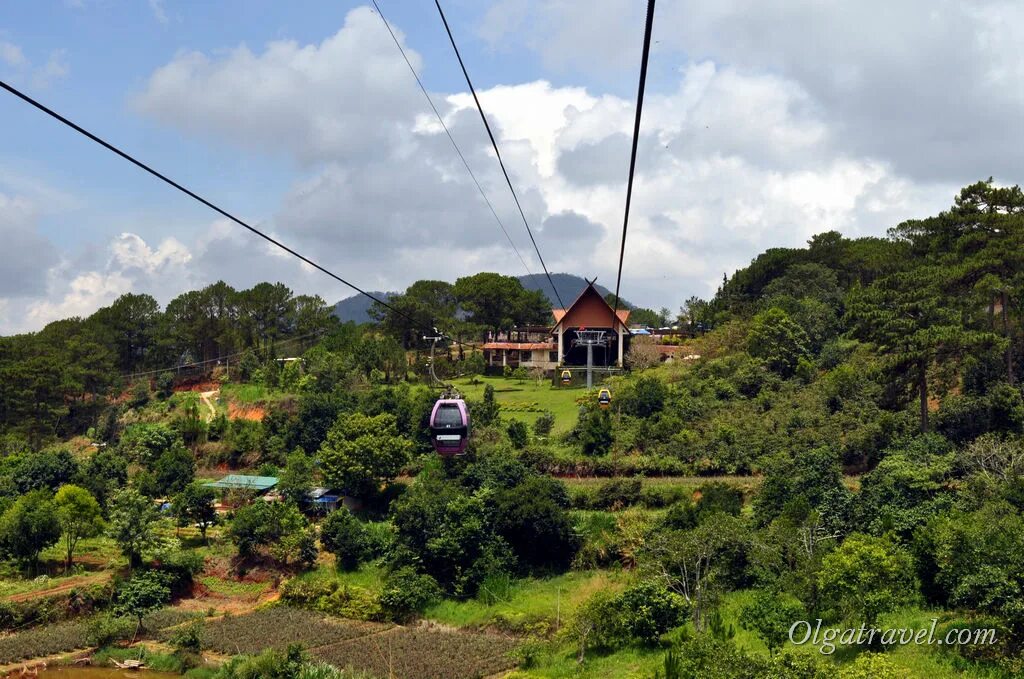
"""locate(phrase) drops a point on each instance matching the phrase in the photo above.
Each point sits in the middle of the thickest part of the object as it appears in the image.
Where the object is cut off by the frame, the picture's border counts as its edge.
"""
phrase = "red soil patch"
(61, 588)
(246, 412)
(196, 385)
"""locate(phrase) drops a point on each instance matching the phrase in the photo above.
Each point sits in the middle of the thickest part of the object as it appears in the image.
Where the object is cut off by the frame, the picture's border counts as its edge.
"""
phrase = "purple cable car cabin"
(449, 426)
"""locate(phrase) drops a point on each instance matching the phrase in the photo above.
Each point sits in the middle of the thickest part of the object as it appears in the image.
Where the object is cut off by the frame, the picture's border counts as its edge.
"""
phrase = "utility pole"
(433, 339)
(590, 339)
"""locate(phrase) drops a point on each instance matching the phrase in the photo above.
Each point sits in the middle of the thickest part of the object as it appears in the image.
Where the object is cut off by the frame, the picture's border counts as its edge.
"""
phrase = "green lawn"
(531, 604)
(526, 400)
(745, 483)
(251, 394)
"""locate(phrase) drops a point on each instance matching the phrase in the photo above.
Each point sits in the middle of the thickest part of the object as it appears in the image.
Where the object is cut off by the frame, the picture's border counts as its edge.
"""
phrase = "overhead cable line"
(218, 359)
(496, 151)
(138, 163)
(636, 139)
(440, 119)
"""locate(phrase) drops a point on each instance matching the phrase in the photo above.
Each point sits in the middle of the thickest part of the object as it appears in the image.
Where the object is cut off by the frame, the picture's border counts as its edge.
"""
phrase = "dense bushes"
(531, 517)
(638, 615)
(344, 536)
(499, 516)
(278, 527)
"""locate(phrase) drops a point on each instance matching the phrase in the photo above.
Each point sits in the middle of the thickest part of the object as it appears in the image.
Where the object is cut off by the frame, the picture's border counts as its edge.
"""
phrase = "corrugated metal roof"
(243, 481)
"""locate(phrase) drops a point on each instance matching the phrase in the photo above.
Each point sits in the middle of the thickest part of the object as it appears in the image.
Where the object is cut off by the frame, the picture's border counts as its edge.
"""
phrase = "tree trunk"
(1004, 300)
(922, 385)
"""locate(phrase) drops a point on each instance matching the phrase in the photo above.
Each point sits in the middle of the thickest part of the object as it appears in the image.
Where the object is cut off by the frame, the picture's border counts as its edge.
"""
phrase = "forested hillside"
(839, 438)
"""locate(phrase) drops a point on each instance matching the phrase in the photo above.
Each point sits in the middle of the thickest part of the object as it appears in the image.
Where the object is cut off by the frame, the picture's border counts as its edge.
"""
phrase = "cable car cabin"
(449, 426)
(604, 397)
(566, 377)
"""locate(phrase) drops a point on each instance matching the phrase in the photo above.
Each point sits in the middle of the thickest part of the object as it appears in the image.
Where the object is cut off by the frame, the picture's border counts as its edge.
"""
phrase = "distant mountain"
(356, 308)
(569, 286)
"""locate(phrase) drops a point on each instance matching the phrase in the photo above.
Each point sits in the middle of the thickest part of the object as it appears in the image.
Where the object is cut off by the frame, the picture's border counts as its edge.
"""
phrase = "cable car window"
(448, 416)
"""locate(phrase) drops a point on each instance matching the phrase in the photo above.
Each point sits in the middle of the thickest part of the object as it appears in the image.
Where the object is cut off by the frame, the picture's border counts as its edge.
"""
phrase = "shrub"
(144, 593)
(306, 591)
(446, 532)
(344, 536)
(618, 493)
(595, 432)
(104, 630)
(718, 496)
(531, 517)
(140, 395)
(270, 664)
(543, 425)
(350, 601)
(638, 615)
(645, 612)
(518, 434)
(657, 496)
(380, 538)
(867, 576)
(681, 516)
(188, 638)
(264, 524)
(164, 385)
(407, 593)
(770, 617)
(298, 547)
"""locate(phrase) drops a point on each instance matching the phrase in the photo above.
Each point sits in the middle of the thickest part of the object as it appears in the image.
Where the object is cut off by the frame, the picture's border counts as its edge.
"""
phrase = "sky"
(764, 124)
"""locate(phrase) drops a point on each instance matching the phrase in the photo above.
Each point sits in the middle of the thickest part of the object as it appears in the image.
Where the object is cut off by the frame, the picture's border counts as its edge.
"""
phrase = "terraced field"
(381, 649)
(422, 653)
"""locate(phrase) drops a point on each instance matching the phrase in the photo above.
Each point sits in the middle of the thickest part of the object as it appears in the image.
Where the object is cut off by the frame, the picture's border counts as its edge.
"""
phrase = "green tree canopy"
(776, 339)
(29, 526)
(194, 505)
(361, 452)
(867, 576)
(132, 524)
(79, 515)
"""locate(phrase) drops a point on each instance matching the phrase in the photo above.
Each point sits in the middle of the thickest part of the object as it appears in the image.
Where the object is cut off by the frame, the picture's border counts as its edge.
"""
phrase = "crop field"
(279, 626)
(383, 650)
(62, 637)
(168, 617)
(417, 653)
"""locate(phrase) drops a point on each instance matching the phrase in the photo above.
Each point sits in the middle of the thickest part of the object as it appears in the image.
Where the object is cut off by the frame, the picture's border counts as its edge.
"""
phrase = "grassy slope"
(516, 396)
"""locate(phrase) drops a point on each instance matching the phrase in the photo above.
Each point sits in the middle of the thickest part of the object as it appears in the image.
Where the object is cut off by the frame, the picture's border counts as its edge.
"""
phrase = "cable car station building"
(556, 347)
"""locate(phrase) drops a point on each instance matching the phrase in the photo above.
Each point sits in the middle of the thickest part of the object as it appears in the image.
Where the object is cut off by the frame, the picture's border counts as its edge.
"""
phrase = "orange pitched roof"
(621, 314)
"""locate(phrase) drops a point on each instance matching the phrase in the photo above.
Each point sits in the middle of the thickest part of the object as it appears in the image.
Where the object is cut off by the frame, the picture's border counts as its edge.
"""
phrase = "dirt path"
(66, 586)
(206, 395)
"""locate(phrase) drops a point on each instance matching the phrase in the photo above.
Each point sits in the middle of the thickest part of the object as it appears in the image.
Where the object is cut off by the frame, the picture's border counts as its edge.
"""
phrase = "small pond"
(101, 673)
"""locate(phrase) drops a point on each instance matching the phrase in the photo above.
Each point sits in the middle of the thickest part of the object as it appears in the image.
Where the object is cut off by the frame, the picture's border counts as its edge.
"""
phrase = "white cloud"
(55, 68)
(743, 148)
(930, 87)
(27, 254)
(129, 251)
(732, 161)
(86, 293)
(11, 54)
(157, 7)
(345, 96)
